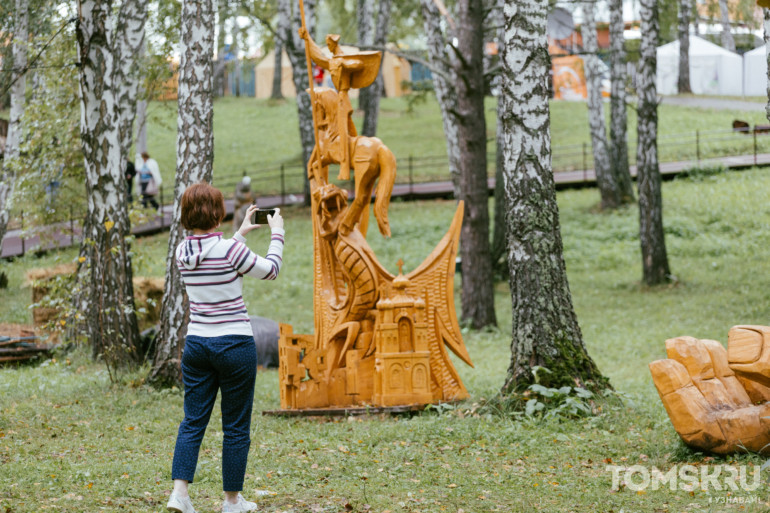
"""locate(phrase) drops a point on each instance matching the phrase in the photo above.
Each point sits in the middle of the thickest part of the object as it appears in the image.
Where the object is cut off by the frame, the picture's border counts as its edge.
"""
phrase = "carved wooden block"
(717, 399)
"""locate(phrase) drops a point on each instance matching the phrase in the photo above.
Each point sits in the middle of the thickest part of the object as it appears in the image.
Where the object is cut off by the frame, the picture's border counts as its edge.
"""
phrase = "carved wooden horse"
(370, 159)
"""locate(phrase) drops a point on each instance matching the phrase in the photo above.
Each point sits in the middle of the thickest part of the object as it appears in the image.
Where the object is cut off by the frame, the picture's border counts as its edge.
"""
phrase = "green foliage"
(342, 20)
(743, 11)
(50, 171)
(564, 402)
(668, 11)
(42, 17)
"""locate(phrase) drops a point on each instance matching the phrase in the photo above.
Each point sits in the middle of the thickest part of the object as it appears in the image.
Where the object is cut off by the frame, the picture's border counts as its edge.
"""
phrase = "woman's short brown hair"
(203, 207)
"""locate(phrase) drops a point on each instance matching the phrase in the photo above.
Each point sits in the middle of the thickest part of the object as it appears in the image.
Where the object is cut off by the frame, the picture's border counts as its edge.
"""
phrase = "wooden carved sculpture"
(718, 400)
(380, 339)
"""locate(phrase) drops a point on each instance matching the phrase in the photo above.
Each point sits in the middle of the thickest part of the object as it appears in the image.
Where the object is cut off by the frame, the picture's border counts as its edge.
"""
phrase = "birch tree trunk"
(295, 48)
(223, 13)
(618, 114)
(276, 93)
(654, 258)
(129, 53)
(545, 327)
(444, 82)
(282, 35)
(377, 89)
(141, 126)
(609, 190)
(106, 300)
(498, 233)
(685, 8)
(766, 14)
(478, 296)
(364, 17)
(194, 163)
(728, 43)
(458, 82)
(13, 139)
(499, 263)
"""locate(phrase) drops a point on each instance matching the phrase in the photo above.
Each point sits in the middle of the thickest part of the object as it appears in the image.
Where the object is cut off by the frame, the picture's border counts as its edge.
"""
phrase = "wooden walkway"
(61, 234)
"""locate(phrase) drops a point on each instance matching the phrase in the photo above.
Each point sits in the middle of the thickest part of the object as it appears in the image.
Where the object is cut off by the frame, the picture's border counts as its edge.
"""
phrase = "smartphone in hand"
(260, 215)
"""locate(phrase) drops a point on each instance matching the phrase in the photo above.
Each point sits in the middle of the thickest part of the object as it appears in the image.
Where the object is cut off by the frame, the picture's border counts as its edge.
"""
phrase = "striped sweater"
(213, 269)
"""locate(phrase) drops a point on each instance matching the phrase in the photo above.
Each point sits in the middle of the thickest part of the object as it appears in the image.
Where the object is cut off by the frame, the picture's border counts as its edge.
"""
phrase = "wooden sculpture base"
(347, 412)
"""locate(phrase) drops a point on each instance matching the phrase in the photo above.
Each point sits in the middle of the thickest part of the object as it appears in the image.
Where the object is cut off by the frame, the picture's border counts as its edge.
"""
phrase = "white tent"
(713, 70)
(755, 72)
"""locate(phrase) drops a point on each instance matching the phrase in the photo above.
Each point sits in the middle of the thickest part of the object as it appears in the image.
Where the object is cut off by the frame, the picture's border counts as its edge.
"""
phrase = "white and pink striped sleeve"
(248, 263)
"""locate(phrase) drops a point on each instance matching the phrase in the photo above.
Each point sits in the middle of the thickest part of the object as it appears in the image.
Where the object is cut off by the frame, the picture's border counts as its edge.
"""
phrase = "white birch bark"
(683, 23)
(497, 19)
(608, 188)
(106, 300)
(766, 15)
(129, 53)
(618, 114)
(13, 139)
(444, 80)
(295, 49)
(194, 163)
(653, 246)
(545, 328)
(728, 43)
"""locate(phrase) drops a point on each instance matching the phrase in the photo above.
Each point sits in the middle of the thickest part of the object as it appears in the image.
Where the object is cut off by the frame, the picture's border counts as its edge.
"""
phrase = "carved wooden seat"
(717, 399)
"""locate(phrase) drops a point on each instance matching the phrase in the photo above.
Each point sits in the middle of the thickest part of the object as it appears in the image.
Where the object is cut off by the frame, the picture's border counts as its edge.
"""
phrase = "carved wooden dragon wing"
(433, 281)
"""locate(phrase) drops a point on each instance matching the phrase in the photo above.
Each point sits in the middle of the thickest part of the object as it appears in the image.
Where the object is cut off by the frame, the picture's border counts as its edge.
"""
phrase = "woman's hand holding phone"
(275, 220)
(246, 225)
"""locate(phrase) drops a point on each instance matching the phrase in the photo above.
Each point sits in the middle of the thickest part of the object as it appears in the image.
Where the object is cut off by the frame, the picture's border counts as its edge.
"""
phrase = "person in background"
(318, 75)
(130, 175)
(149, 180)
(243, 198)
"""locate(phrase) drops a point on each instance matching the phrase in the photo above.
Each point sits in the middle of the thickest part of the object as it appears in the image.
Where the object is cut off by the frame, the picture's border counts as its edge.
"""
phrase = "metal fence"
(286, 181)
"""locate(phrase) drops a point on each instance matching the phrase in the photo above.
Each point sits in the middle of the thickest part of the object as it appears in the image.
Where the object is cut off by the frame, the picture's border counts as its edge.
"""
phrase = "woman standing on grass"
(219, 353)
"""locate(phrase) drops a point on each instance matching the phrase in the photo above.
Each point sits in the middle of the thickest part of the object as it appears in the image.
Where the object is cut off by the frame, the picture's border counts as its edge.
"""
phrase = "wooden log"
(23, 350)
(6, 359)
(14, 341)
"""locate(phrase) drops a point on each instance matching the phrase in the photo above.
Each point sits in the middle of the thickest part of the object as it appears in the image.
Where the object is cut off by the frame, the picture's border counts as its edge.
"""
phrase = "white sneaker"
(241, 505)
(179, 504)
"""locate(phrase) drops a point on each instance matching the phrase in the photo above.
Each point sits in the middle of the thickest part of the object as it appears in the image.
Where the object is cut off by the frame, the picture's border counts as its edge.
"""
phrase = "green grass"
(71, 441)
(677, 127)
(257, 136)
